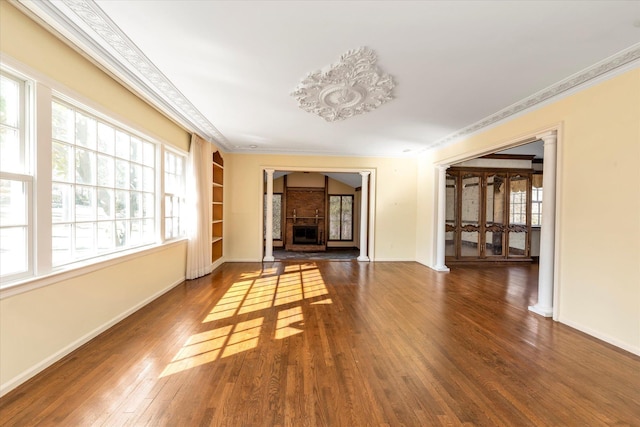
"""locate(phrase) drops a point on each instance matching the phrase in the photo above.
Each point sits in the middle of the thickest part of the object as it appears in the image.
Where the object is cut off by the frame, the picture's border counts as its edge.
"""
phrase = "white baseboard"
(603, 337)
(41, 366)
(394, 260)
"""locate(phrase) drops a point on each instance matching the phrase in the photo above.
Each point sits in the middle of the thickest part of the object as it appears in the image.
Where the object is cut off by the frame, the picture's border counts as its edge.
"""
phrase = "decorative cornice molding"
(350, 87)
(100, 38)
(585, 76)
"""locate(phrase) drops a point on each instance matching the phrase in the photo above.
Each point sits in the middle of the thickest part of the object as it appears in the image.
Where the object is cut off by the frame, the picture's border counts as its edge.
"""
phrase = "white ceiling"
(458, 65)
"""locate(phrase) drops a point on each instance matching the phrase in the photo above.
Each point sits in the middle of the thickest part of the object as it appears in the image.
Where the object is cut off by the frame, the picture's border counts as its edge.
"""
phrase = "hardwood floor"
(338, 344)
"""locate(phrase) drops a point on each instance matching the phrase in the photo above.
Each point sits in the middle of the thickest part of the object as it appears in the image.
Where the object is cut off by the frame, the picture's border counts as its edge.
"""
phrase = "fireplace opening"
(305, 234)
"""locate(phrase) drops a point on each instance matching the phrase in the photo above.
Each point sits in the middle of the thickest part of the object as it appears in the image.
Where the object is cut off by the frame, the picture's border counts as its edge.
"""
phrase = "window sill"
(80, 268)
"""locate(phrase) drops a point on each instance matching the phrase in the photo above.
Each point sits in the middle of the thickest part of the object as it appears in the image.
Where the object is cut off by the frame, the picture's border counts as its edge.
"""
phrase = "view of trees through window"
(341, 217)
(103, 187)
(277, 216)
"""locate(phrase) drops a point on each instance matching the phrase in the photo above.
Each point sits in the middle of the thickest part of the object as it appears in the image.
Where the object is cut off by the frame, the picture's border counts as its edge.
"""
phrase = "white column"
(364, 203)
(268, 238)
(441, 218)
(544, 307)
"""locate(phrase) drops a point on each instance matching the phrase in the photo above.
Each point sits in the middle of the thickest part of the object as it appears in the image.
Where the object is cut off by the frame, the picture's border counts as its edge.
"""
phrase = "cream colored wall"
(395, 205)
(39, 326)
(598, 179)
(337, 187)
(300, 179)
(425, 214)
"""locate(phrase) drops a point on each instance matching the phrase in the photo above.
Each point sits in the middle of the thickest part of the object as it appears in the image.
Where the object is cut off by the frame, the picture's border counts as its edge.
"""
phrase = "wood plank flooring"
(338, 344)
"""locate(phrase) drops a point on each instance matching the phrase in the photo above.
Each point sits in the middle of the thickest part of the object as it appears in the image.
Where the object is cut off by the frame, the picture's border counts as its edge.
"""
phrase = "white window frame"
(536, 199)
(181, 196)
(26, 176)
(129, 219)
(41, 91)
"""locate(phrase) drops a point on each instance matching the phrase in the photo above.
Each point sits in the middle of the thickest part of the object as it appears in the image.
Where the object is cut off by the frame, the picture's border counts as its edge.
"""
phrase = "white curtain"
(198, 206)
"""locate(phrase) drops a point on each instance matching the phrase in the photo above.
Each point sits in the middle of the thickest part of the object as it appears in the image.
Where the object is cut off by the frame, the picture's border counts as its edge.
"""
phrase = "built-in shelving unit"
(216, 206)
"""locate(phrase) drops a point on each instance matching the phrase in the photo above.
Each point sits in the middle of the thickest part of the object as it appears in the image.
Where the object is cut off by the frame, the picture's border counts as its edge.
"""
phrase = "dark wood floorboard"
(338, 344)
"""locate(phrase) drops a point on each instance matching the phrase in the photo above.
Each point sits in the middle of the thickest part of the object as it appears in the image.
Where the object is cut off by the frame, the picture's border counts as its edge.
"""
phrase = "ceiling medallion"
(350, 87)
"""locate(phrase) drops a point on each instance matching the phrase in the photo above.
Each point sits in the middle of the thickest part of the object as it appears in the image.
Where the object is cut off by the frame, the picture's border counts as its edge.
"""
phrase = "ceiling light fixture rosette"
(353, 86)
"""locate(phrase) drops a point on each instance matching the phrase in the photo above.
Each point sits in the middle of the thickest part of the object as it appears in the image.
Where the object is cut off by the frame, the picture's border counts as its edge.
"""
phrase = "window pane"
(105, 171)
(121, 233)
(13, 250)
(106, 203)
(85, 204)
(334, 217)
(106, 236)
(347, 217)
(122, 145)
(85, 166)
(61, 243)
(85, 240)
(63, 123)
(11, 149)
(62, 203)
(122, 174)
(469, 243)
(135, 233)
(148, 154)
(135, 150)
(9, 102)
(86, 131)
(122, 204)
(148, 208)
(148, 181)
(62, 162)
(277, 216)
(13, 203)
(106, 139)
(135, 179)
(135, 206)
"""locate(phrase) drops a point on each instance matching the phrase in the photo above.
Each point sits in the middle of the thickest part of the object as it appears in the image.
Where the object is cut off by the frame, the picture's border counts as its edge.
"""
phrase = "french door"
(488, 215)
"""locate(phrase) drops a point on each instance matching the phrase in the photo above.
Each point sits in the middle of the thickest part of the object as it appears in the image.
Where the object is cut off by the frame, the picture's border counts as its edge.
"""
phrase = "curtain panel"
(198, 208)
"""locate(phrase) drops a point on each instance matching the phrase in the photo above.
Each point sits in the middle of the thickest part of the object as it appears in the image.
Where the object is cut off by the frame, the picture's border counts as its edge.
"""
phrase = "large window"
(518, 207)
(16, 179)
(92, 188)
(174, 195)
(277, 216)
(536, 206)
(103, 187)
(341, 217)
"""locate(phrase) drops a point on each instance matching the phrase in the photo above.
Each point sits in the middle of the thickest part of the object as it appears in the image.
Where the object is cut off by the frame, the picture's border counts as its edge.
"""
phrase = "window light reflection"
(254, 292)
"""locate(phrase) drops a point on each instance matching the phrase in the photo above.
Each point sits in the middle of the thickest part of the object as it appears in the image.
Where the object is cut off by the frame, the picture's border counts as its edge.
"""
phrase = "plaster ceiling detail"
(352, 86)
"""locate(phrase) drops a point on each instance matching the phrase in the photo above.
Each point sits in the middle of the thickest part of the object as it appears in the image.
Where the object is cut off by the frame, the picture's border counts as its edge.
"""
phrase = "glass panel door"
(450, 215)
(519, 201)
(470, 216)
(495, 211)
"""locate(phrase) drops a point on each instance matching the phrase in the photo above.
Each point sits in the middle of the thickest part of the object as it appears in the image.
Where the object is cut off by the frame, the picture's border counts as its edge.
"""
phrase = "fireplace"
(305, 234)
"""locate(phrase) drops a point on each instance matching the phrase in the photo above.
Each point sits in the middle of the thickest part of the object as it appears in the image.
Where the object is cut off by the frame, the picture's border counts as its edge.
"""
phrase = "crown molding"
(89, 30)
(607, 68)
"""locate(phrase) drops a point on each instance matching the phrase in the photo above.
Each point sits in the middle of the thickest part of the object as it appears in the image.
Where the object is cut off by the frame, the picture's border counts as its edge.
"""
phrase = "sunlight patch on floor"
(254, 292)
